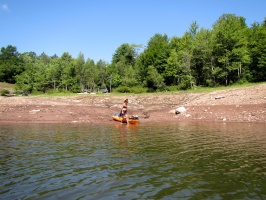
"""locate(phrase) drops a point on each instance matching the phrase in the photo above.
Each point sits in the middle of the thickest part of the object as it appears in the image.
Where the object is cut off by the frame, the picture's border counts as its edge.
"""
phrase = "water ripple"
(180, 161)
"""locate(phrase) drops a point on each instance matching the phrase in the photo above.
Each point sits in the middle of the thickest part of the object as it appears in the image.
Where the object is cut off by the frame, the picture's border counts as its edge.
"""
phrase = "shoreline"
(93, 115)
(244, 104)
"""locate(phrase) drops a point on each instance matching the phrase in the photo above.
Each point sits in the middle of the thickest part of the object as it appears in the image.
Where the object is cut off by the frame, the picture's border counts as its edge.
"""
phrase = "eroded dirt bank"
(245, 104)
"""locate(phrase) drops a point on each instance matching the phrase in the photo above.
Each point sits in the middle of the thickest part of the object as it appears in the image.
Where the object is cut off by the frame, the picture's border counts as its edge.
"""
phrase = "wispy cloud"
(4, 7)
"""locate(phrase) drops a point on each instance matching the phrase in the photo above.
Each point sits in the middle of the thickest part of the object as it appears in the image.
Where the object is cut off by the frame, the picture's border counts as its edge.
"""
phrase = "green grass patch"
(7, 86)
(212, 89)
(55, 94)
(199, 89)
(133, 90)
(123, 90)
(4, 92)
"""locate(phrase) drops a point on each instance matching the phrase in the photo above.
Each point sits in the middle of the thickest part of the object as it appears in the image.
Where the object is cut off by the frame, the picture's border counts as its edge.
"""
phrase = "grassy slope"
(7, 86)
(11, 87)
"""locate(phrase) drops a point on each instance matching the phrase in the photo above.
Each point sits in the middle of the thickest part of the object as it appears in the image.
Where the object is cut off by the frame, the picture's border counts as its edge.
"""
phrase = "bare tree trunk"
(226, 80)
(54, 84)
(240, 69)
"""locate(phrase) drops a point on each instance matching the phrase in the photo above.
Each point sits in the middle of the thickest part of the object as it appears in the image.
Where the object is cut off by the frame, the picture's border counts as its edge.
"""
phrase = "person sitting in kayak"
(124, 110)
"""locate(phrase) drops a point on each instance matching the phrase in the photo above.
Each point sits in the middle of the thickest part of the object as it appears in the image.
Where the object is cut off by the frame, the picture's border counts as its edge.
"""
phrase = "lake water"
(162, 161)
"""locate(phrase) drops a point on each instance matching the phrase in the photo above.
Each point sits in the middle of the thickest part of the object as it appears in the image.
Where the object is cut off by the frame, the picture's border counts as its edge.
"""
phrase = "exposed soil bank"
(245, 104)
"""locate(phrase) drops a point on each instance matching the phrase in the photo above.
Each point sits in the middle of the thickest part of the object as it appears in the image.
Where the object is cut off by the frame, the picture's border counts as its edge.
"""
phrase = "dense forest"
(229, 53)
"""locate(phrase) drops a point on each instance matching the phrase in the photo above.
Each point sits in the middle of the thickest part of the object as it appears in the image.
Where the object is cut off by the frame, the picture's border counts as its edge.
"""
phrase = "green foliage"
(155, 81)
(156, 55)
(4, 92)
(172, 88)
(227, 54)
(186, 83)
(50, 91)
(10, 64)
(125, 54)
(75, 88)
(135, 90)
(122, 65)
(172, 70)
(230, 41)
(122, 89)
(130, 78)
(257, 46)
(36, 92)
(202, 58)
(241, 81)
(210, 83)
(138, 90)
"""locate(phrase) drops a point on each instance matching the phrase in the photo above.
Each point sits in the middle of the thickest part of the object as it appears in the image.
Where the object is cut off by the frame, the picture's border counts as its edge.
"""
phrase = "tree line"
(229, 53)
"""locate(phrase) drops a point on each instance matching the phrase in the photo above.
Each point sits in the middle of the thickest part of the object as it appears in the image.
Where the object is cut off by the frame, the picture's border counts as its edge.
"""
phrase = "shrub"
(135, 90)
(36, 92)
(172, 88)
(185, 85)
(242, 81)
(4, 92)
(138, 90)
(123, 89)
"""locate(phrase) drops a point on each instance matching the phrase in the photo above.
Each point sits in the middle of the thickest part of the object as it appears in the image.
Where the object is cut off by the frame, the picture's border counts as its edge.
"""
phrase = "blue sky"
(98, 27)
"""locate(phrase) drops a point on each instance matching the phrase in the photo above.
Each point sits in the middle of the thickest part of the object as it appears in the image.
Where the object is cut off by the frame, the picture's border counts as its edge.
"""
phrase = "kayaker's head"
(126, 101)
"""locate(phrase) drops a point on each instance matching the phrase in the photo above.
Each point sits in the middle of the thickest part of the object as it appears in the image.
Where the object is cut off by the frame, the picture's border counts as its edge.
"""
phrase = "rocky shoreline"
(243, 104)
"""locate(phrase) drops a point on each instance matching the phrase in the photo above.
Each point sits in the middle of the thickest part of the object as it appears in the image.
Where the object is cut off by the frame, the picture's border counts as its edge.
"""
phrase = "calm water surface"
(169, 161)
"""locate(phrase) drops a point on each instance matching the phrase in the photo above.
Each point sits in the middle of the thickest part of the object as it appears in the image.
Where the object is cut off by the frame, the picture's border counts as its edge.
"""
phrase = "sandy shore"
(245, 104)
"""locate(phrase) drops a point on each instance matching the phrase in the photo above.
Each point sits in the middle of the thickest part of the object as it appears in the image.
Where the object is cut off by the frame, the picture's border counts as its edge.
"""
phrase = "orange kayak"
(131, 120)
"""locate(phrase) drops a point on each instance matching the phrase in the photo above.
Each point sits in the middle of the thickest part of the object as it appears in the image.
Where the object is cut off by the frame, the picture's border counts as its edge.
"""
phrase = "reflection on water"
(162, 161)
